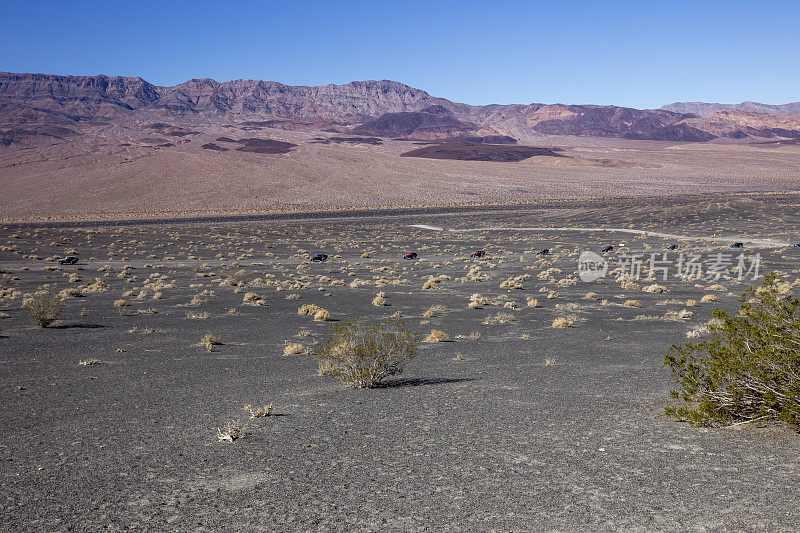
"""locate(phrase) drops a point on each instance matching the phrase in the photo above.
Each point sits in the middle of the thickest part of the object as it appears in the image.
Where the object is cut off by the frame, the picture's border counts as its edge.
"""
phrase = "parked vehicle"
(68, 260)
(477, 253)
(319, 257)
(737, 245)
(607, 248)
(672, 247)
(543, 251)
(412, 255)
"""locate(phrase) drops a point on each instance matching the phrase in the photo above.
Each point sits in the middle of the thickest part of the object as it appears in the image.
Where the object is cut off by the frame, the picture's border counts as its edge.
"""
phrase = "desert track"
(749, 240)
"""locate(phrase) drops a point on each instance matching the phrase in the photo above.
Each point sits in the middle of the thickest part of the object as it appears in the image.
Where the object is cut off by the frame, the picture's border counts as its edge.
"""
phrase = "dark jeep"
(68, 260)
(412, 255)
(319, 257)
(477, 253)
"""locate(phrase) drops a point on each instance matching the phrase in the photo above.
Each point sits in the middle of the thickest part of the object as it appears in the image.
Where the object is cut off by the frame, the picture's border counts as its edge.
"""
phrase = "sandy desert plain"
(508, 423)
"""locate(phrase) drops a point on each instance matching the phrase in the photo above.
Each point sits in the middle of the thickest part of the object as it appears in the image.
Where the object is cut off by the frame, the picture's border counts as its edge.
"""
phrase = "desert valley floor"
(128, 171)
(507, 424)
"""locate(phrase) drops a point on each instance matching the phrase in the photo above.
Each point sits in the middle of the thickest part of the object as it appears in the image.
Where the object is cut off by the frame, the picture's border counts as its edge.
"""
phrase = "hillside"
(37, 108)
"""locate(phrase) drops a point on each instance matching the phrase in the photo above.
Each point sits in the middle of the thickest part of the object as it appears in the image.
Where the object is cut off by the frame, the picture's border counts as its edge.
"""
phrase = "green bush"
(42, 307)
(360, 354)
(750, 366)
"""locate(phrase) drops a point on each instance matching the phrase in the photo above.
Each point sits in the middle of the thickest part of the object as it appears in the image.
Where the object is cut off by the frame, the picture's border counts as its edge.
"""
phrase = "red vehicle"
(477, 253)
(412, 255)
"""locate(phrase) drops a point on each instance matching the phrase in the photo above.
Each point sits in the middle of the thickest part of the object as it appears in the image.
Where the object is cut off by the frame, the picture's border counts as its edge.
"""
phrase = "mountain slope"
(32, 104)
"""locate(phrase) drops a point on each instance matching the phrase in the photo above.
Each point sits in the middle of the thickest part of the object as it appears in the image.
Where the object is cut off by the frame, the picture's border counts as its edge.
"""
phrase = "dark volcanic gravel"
(532, 428)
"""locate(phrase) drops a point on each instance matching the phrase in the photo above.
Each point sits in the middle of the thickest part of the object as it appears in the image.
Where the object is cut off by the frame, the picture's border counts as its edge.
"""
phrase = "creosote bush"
(748, 369)
(42, 307)
(359, 353)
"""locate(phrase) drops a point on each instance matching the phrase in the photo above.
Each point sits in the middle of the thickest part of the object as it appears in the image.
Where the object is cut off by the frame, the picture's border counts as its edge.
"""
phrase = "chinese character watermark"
(662, 266)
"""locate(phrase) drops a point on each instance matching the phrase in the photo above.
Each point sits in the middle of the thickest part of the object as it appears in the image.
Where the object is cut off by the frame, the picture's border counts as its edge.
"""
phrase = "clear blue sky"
(633, 53)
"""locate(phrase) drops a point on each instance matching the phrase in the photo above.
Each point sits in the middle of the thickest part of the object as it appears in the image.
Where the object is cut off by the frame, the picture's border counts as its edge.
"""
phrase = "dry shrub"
(632, 303)
(591, 296)
(475, 335)
(308, 309)
(71, 292)
(360, 354)
(232, 431)
(379, 301)
(564, 321)
(655, 288)
(433, 281)
(691, 303)
(119, 306)
(709, 298)
(499, 318)
(515, 282)
(436, 336)
(293, 348)
(434, 310)
(322, 315)
(89, 362)
(42, 307)
(259, 412)
(209, 341)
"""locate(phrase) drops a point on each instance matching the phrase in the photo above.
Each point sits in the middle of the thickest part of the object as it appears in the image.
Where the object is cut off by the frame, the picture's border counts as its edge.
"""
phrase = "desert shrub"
(436, 335)
(322, 315)
(210, 340)
(499, 318)
(259, 412)
(564, 321)
(119, 306)
(232, 431)
(748, 369)
(308, 309)
(655, 288)
(42, 308)
(293, 348)
(360, 354)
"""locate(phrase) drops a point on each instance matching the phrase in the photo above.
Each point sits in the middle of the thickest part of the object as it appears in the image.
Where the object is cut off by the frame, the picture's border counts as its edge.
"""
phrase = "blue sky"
(632, 53)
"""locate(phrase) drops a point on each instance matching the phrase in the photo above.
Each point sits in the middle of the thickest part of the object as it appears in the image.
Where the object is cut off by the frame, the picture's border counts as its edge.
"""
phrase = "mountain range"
(36, 107)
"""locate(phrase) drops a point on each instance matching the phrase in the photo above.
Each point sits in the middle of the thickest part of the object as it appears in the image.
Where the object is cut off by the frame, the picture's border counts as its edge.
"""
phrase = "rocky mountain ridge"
(46, 105)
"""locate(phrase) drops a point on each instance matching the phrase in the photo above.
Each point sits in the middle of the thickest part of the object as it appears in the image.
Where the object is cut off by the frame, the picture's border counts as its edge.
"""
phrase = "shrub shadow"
(416, 382)
(75, 326)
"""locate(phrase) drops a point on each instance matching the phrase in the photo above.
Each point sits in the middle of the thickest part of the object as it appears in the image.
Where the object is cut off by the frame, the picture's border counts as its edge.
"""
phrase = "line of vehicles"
(544, 251)
(319, 258)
